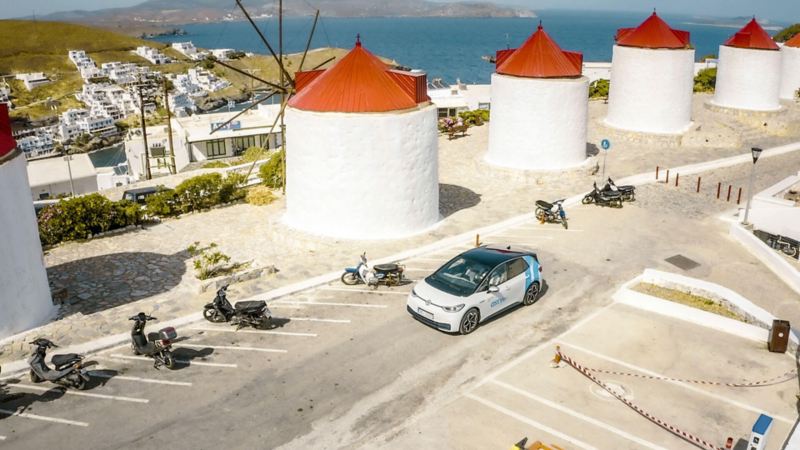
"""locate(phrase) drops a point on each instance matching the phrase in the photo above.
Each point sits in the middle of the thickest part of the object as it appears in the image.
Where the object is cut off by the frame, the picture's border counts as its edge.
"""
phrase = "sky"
(783, 10)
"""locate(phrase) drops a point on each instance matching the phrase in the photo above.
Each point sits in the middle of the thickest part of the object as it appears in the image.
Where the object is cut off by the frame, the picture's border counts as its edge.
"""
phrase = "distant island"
(153, 16)
(733, 22)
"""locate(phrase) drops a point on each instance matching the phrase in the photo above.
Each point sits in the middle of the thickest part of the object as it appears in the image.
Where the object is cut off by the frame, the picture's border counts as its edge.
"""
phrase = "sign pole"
(606, 145)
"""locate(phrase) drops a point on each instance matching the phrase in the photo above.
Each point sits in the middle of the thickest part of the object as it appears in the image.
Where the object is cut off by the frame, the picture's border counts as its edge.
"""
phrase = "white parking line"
(538, 227)
(233, 330)
(531, 422)
(2, 438)
(180, 361)
(364, 291)
(677, 383)
(43, 418)
(578, 415)
(128, 345)
(234, 347)
(142, 380)
(290, 304)
(314, 319)
(81, 394)
(519, 238)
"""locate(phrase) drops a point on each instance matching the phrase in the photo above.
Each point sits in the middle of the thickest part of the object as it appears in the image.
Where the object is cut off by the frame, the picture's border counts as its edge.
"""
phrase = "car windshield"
(461, 276)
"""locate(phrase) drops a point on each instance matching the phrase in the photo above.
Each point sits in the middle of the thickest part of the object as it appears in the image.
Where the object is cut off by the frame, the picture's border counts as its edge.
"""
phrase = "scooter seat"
(255, 305)
(61, 360)
(386, 268)
(544, 205)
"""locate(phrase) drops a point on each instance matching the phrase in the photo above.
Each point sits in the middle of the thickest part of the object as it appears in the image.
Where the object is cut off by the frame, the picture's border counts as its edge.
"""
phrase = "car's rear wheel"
(532, 294)
(469, 321)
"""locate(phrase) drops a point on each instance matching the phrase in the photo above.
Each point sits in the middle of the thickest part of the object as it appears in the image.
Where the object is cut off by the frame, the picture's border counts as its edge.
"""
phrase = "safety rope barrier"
(674, 430)
(790, 375)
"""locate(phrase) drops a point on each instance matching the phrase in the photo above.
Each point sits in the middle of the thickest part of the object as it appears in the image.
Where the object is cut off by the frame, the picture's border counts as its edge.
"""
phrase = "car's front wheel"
(469, 321)
(531, 294)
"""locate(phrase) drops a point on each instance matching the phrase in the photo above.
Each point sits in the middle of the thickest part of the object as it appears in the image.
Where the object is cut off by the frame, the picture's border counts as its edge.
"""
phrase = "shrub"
(209, 262)
(253, 154)
(476, 117)
(162, 204)
(599, 88)
(271, 172)
(215, 165)
(260, 196)
(788, 33)
(82, 217)
(230, 189)
(200, 192)
(706, 80)
(797, 94)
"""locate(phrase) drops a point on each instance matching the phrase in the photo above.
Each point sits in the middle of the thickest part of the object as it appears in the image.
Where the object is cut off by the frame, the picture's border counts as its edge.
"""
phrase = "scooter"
(68, 371)
(603, 198)
(627, 192)
(155, 345)
(551, 212)
(253, 313)
(386, 274)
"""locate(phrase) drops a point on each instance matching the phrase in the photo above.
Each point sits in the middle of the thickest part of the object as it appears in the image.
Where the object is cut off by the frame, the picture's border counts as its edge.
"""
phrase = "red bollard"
(739, 198)
(667, 177)
(719, 189)
(677, 177)
(698, 184)
(657, 172)
(730, 188)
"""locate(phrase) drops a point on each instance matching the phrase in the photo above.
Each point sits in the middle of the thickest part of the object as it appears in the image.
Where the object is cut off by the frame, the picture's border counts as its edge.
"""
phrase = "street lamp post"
(756, 153)
(68, 158)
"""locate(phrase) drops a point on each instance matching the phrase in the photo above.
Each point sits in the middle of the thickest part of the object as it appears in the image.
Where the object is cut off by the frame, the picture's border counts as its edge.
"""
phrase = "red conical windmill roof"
(540, 57)
(358, 83)
(793, 42)
(7, 142)
(752, 36)
(653, 33)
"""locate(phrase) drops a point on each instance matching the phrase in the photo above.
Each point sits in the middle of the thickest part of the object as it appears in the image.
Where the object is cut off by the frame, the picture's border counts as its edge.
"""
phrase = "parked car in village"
(475, 286)
(139, 195)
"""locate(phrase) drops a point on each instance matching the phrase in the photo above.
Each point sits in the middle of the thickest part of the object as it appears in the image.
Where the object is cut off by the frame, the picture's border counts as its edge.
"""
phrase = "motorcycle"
(155, 345)
(386, 274)
(603, 198)
(551, 212)
(69, 370)
(253, 313)
(627, 192)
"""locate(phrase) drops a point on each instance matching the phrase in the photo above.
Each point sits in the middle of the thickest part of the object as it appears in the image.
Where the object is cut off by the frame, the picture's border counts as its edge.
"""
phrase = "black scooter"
(551, 212)
(603, 198)
(155, 345)
(69, 370)
(254, 313)
(627, 192)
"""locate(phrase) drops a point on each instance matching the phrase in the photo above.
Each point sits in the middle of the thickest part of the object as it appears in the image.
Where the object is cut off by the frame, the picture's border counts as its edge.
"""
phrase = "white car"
(474, 286)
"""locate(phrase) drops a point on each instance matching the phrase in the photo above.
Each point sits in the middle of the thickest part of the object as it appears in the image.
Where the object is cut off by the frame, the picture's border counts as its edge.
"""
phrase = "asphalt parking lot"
(560, 406)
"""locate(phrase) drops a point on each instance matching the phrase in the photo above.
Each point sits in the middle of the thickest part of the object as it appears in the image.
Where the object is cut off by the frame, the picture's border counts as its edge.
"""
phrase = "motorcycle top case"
(168, 333)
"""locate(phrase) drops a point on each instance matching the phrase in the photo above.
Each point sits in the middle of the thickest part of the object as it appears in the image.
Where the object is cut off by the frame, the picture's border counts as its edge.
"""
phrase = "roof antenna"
(358, 40)
(540, 24)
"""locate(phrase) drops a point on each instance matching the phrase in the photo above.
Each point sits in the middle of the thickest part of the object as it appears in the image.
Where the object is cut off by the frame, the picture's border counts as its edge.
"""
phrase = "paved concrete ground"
(527, 397)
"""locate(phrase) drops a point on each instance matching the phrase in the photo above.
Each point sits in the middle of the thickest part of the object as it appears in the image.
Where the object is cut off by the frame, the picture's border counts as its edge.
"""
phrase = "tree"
(706, 80)
(599, 88)
(788, 33)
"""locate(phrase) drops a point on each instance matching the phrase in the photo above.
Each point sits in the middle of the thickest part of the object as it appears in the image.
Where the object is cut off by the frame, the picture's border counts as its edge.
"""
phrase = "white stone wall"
(790, 72)
(651, 90)
(748, 79)
(538, 123)
(362, 176)
(25, 302)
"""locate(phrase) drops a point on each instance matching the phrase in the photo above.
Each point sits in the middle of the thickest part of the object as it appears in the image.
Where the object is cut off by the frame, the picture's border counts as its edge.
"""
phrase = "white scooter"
(387, 274)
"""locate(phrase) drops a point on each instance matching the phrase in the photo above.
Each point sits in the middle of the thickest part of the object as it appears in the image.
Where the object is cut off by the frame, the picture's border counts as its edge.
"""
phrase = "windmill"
(285, 87)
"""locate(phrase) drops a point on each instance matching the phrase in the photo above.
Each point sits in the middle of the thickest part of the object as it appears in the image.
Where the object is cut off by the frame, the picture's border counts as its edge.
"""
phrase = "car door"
(492, 302)
(516, 283)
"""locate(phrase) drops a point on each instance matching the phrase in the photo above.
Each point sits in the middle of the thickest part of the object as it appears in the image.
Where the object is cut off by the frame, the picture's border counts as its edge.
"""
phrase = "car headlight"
(456, 308)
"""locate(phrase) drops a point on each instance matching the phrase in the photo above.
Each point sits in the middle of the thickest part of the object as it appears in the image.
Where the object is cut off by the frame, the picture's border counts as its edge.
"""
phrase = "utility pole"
(68, 158)
(283, 93)
(173, 168)
(148, 174)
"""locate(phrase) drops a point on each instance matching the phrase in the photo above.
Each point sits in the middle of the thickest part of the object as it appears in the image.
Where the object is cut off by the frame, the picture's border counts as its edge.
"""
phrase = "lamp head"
(756, 153)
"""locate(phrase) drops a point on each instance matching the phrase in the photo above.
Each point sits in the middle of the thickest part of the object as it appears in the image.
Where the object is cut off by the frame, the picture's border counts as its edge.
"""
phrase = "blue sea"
(448, 48)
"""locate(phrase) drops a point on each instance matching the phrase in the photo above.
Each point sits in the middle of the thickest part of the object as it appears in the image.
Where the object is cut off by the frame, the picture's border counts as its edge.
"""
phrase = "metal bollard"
(667, 177)
(677, 177)
(477, 240)
(739, 197)
(698, 184)
(657, 168)
(730, 188)
(719, 189)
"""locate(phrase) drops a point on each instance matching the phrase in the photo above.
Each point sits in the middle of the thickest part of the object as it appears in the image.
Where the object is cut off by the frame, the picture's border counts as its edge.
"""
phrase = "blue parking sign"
(606, 144)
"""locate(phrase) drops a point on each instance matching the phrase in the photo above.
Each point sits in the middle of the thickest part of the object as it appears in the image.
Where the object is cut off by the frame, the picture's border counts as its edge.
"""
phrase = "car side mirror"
(493, 289)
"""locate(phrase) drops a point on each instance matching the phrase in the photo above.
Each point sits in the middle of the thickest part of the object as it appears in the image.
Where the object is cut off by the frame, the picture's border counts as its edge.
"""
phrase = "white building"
(160, 157)
(188, 50)
(652, 79)
(36, 141)
(76, 122)
(362, 159)
(772, 212)
(123, 73)
(60, 176)
(32, 80)
(26, 300)
(790, 69)
(153, 55)
(749, 72)
(110, 100)
(461, 97)
(539, 107)
(222, 54)
(5, 93)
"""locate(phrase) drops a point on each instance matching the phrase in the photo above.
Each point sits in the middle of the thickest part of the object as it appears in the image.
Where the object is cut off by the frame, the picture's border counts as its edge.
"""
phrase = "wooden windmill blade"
(308, 44)
(265, 41)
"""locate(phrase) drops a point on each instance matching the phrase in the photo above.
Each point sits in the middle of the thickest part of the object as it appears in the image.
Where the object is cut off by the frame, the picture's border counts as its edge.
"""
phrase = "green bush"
(706, 80)
(200, 192)
(231, 188)
(215, 165)
(260, 196)
(788, 33)
(599, 88)
(162, 204)
(253, 154)
(271, 172)
(475, 118)
(82, 217)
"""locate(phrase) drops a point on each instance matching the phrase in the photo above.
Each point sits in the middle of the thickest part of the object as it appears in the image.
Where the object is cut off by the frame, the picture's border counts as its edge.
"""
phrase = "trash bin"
(779, 336)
